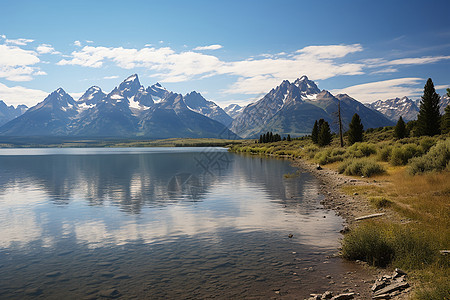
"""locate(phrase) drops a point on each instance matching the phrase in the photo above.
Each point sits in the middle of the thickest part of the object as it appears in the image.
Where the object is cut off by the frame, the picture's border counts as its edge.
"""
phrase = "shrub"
(426, 143)
(361, 149)
(401, 154)
(360, 167)
(310, 151)
(385, 153)
(329, 156)
(437, 159)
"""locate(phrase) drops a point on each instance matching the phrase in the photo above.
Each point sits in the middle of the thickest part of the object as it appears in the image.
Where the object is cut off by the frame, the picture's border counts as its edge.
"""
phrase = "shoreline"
(349, 208)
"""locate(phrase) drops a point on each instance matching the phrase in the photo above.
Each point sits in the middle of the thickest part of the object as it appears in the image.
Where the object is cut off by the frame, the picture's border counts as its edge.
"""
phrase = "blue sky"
(230, 51)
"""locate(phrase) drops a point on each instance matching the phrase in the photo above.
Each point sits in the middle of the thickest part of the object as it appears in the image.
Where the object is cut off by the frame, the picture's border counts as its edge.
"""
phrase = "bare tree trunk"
(340, 124)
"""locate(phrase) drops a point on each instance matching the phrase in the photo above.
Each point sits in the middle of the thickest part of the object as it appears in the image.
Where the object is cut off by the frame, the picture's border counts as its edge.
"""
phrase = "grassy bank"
(415, 184)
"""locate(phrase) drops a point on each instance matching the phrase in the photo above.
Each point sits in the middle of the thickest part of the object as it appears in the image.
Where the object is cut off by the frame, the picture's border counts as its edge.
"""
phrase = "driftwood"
(369, 216)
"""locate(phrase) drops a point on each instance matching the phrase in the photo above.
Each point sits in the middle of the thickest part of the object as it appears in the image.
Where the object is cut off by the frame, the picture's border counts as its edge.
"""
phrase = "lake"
(159, 223)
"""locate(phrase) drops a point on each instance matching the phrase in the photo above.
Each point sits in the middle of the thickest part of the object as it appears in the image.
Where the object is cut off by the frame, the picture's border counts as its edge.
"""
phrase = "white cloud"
(418, 60)
(46, 49)
(15, 63)
(382, 90)
(89, 42)
(76, 95)
(317, 62)
(20, 95)
(14, 56)
(442, 86)
(77, 43)
(386, 70)
(255, 76)
(210, 47)
(111, 77)
(330, 51)
(19, 42)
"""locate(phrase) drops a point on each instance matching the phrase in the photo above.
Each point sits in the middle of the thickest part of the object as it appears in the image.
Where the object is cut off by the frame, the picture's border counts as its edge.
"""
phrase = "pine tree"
(355, 133)
(260, 139)
(271, 137)
(324, 134)
(315, 133)
(445, 122)
(321, 121)
(400, 129)
(428, 120)
(289, 138)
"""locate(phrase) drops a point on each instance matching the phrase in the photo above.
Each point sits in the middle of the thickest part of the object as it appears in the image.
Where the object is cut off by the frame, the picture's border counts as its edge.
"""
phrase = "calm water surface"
(160, 223)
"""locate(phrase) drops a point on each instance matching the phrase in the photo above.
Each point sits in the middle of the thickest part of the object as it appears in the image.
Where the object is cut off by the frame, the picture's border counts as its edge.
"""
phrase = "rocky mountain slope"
(292, 108)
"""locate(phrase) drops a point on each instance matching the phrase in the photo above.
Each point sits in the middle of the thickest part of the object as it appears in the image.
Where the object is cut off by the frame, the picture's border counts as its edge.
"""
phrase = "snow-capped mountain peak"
(396, 107)
(306, 86)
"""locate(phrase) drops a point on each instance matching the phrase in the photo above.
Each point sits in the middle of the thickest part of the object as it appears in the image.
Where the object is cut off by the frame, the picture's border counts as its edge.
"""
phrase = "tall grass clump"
(401, 154)
(360, 167)
(437, 290)
(369, 244)
(381, 245)
(437, 159)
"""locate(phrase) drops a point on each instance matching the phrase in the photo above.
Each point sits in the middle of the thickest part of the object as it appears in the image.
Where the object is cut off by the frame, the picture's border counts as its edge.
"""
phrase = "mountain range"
(407, 108)
(132, 111)
(7, 113)
(129, 110)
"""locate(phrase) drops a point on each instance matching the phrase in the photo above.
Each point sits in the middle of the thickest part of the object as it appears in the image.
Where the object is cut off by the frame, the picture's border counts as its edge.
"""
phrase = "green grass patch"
(380, 202)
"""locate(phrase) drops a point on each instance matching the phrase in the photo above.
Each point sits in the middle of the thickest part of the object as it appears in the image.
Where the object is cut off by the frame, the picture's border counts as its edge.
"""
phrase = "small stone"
(290, 235)
(318, 167)
(383, 296)
(379, 284)
(346, 296)
(327, 295)
(399, 271)
(328, 276)
(355, 194)
(399, 286)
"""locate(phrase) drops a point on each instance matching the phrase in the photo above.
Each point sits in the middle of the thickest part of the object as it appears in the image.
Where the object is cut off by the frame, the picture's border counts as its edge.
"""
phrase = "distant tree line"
(269, 137)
